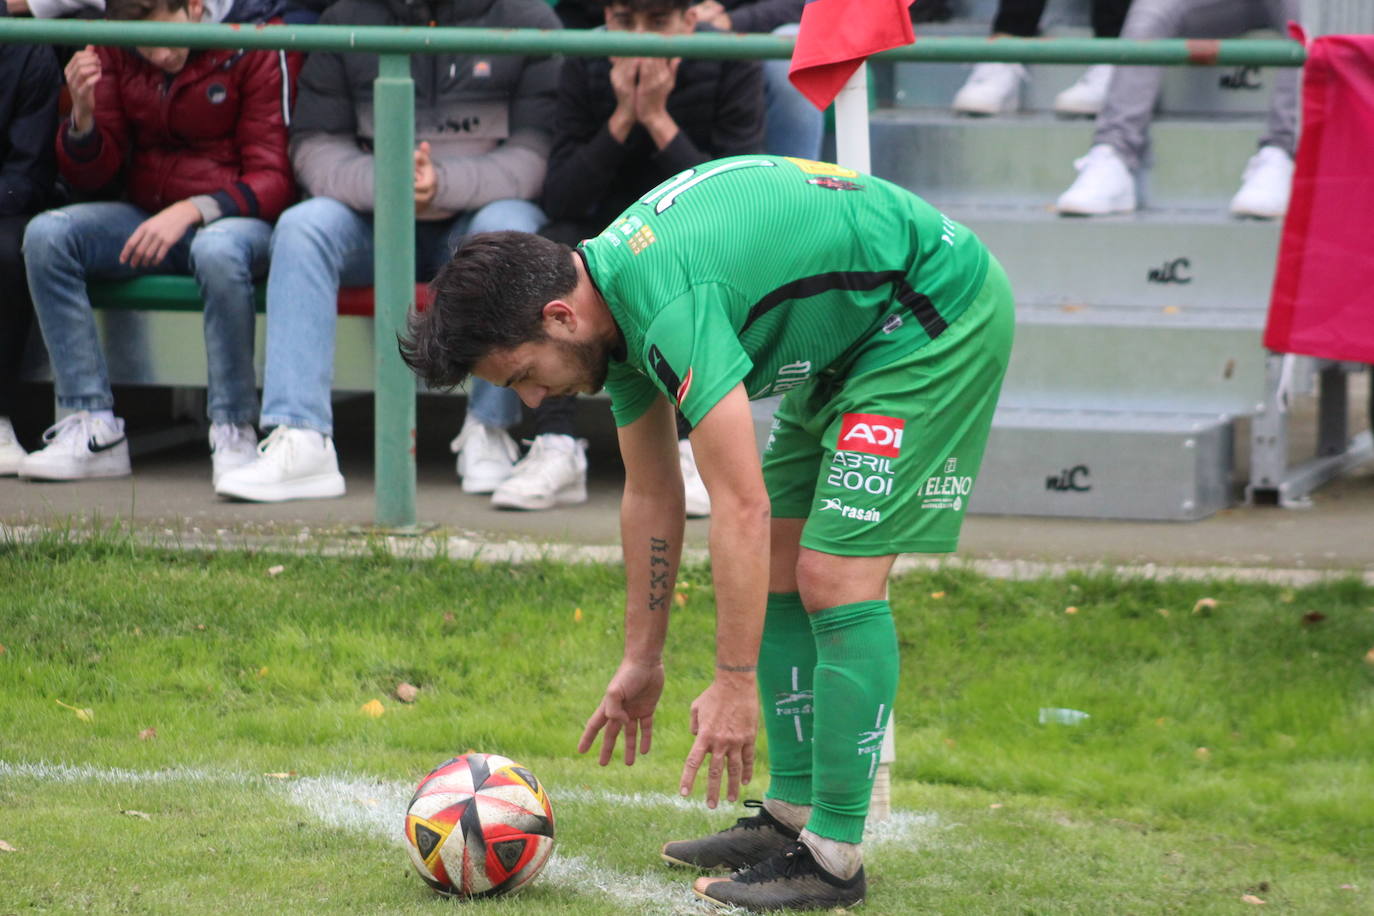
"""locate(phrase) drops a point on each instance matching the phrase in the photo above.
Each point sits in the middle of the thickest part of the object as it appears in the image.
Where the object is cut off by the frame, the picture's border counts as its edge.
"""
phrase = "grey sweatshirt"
(488, 118)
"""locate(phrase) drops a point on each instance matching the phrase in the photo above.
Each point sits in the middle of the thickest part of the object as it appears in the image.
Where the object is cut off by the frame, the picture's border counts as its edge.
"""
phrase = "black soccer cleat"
(751, 840)
(789, 880)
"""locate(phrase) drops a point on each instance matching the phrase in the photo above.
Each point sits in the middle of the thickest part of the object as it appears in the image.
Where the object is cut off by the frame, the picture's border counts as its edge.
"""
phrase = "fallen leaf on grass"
(132, 813)
(577, 615)
(147, 734)
(406, 693)
(276, 570)
(1204, 606)
(995, 805)
(262, 672)
(2, 648)
(1162, 611)
(1349, 887)
(6, 847)
(1369, 657)
(1070, 610)
(85, 715)
(1312, 617)
(937, 595)
(1202, 754)
(680, 599)
(290, 775)
(373, 708)
(1252, 899)
(448, 617)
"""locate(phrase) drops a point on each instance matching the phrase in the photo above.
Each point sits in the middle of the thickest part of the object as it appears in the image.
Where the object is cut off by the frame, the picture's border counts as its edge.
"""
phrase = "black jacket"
(718, 107)
(29, 82)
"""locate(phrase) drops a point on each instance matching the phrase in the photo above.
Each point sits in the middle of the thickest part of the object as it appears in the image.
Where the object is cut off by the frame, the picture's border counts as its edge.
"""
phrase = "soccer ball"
(479, 825)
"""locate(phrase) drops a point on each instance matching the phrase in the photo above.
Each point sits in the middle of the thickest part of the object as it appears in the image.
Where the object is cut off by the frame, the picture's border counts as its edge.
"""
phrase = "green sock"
(856, 682)
(787, 662)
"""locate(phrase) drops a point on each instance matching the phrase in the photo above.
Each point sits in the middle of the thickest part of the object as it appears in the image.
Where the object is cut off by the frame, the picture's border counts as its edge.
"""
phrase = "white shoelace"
(71, 433)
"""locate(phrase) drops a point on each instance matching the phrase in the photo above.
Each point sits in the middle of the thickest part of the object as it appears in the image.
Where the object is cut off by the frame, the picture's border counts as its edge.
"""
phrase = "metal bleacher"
(1138, 337)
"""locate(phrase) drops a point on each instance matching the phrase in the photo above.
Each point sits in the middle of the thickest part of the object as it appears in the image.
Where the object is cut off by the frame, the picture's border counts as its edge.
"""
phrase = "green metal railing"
(395, 113)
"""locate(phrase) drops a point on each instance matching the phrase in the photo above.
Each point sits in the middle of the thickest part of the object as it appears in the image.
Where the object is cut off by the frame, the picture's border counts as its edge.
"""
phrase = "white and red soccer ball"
(479, 825)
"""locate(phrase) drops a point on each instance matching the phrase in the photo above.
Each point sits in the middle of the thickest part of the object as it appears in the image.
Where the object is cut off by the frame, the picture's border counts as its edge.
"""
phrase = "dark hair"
(138, 10)
(489, 296)
(649, 6)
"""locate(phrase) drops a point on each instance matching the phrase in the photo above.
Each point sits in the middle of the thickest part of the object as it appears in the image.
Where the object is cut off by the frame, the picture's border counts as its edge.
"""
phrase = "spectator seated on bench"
(204, 133)
(482, 123)
(29, 83)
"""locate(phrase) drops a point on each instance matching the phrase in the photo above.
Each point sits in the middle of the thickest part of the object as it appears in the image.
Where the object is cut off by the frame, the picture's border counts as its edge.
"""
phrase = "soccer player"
(888, 326)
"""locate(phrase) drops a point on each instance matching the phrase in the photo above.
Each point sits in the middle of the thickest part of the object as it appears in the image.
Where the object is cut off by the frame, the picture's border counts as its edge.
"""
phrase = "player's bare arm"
(651, 521)
(725, 717)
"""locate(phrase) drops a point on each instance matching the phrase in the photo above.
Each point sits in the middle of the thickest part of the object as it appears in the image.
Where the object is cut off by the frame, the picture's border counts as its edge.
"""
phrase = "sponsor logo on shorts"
(854, 512)
(947, 490)
(871, 434)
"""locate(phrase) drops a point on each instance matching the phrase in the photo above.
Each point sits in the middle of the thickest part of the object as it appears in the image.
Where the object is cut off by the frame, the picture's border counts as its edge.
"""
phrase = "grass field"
(1226, 760)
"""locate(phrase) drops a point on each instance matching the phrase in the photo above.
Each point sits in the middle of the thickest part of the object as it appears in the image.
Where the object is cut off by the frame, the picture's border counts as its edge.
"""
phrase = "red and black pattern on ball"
(447, 768)
(502, 859)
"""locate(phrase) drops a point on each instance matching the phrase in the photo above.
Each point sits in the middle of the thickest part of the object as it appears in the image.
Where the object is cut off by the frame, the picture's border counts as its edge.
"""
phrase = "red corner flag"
(1323, 299)
(837, 35)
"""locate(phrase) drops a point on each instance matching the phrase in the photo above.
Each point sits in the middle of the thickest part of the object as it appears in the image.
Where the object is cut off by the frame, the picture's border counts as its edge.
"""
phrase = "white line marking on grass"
(377, 807)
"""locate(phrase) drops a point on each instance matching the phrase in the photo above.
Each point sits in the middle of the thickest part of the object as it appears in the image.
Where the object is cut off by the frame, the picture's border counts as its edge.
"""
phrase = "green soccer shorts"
(884, 461)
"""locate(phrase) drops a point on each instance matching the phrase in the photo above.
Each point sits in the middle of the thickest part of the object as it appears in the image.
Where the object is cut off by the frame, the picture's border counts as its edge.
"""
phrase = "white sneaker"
(79, 446)
(698, 500)
(11, 452)
(290, 464)
(232, 445)
(991, 89)
(1085, 97)
(553, 473)
(486, 455)
(1265, 185)
(1104, 185)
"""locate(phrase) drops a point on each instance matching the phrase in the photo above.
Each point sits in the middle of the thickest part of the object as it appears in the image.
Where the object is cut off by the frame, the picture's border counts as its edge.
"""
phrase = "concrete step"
(1106, 464)
(1029, 158)
(1185, 90)
(1161, 259)
(1121, 358)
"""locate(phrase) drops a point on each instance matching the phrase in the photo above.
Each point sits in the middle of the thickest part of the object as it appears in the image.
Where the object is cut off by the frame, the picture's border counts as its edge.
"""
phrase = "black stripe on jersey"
(856, 280)
(665, 372)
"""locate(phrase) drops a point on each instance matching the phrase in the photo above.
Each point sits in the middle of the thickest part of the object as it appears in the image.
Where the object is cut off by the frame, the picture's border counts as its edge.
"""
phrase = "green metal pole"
(394, 289)
(591, 43)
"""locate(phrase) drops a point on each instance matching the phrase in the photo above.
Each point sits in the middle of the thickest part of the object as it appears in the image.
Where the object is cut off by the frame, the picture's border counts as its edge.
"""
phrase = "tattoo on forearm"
(738, 669)
(658, 574)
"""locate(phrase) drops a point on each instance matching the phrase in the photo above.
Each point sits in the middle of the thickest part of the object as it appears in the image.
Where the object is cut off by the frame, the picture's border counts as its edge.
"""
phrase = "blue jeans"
(792, 125)
(322, 244)
(62, 248)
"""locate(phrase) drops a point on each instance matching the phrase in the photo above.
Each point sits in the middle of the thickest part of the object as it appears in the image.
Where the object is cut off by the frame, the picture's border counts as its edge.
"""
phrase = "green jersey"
(773, 271)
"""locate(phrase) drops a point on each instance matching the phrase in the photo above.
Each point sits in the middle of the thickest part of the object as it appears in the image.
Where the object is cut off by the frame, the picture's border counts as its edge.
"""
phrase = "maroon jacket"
(217, 128)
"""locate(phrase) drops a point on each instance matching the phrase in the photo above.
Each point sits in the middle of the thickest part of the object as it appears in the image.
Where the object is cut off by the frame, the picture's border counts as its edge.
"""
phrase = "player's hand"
(156, 235)
(83, 72)
(426, 179)
(725, 719)
(628, 706)
(657, 77)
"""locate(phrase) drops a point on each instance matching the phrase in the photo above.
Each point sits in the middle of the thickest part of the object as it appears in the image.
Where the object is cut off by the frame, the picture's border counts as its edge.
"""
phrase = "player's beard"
(592, 360)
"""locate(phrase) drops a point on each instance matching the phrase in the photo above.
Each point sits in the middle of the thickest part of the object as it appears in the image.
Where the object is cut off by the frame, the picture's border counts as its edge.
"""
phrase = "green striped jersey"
(772, 271)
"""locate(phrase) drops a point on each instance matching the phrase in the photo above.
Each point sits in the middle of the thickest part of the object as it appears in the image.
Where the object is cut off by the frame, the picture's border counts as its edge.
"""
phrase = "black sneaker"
(790, 880)
(750, 841)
